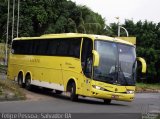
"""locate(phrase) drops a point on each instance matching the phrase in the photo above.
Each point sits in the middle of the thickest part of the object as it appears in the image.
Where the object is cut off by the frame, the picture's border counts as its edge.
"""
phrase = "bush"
(10, 91)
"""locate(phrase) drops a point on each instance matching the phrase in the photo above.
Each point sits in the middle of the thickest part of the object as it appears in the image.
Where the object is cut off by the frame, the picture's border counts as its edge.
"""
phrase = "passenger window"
(21, 47)
(52, 47)
(15, 47)
(63, 47)
(75, 48)
(29, 47)
(42, 47)
(55, 47)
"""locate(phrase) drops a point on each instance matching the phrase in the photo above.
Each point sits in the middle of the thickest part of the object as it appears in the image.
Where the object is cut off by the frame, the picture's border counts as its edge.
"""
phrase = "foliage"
(10, 91)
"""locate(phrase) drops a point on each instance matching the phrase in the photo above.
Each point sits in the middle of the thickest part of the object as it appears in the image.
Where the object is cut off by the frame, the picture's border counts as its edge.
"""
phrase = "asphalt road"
(42, 102)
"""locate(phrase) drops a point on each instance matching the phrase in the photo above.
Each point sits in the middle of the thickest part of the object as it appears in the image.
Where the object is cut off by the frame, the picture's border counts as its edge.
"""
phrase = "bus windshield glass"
(117, 63)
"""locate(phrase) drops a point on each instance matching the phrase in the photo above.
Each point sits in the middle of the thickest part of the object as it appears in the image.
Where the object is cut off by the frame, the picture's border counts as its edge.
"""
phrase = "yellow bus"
(84, 65)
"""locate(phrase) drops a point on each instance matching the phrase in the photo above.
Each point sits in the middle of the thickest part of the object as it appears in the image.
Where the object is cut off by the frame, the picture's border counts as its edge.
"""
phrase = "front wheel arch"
(72, 88)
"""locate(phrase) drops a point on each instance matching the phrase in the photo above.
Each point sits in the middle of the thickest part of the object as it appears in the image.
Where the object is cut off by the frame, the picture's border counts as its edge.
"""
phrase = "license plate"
(115, 97)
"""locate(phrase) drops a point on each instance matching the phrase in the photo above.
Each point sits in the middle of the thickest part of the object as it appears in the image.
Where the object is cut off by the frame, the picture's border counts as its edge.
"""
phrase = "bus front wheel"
(73, 95)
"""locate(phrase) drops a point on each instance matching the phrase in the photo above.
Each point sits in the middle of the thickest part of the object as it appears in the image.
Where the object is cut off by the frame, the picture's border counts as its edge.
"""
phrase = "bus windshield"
(117, 63)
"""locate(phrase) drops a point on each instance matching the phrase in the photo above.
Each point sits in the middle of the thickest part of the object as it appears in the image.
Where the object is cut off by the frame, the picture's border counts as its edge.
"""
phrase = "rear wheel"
(73, 95)
(107, 101)
(20, 81)
(28, 85)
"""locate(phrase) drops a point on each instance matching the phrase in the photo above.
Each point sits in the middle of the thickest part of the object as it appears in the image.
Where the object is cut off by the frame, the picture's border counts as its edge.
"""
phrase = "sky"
(124, 9)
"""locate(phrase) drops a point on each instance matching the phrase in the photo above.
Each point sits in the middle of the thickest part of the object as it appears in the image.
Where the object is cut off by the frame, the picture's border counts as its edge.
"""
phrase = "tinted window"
(54, 47)
(75, 48)
(69, 47)
(63, 47)
(22, 47)
(41, 47)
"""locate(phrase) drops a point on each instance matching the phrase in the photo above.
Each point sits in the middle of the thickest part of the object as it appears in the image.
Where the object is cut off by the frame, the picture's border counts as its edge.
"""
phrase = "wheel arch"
(70, 81)
(21, 72)
(28, 73)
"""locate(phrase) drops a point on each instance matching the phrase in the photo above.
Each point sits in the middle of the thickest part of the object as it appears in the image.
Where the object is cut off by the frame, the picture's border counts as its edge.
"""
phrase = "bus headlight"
(98, 87)
(130, 91)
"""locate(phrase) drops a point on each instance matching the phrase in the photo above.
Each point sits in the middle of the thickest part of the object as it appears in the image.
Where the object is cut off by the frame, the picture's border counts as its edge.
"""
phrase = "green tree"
(90, 22)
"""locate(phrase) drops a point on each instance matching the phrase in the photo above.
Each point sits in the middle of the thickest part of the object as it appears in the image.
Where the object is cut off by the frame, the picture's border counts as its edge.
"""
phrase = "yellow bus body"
(55, 72)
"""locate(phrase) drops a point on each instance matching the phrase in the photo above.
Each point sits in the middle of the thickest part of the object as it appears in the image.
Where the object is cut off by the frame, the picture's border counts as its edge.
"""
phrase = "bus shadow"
(97, 102)
(65, 96)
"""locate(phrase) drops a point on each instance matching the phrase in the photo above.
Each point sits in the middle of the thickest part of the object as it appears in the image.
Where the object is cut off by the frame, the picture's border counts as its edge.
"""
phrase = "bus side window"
(87, 57)
(75, 47)
(63, 47)
(29, 47)
(22, 47)
(42, 47)
(52, 47)
(15, 48)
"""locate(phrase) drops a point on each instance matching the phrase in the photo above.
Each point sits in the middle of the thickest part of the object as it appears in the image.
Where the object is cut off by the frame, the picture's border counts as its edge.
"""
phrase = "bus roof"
(70, 35)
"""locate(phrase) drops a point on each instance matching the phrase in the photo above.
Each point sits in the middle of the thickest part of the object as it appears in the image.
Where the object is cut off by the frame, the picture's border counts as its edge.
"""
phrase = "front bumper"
(111, 95)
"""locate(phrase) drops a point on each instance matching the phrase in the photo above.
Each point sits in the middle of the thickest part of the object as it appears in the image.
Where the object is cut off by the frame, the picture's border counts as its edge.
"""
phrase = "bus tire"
(20, 80)
(58, 92)
(28, 85)
(107, 101)
(73, 95)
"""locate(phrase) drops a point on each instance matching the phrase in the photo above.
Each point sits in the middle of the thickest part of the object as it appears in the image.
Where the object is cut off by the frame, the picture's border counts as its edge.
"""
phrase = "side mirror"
(95, 58)
(143, 62)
